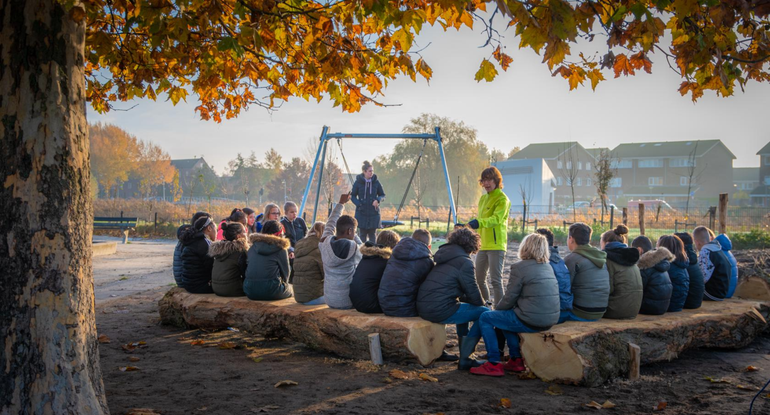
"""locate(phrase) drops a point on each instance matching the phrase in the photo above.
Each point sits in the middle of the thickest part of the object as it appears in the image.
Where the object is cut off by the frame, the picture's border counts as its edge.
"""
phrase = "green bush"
(755, 239)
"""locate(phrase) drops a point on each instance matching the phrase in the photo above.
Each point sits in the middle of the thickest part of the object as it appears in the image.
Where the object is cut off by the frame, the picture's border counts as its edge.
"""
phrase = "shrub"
(754, 239)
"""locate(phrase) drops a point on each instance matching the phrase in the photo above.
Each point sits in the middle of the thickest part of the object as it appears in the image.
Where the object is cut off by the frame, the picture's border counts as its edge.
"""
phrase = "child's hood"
(410, 249)
(725, 242)
(659, 258)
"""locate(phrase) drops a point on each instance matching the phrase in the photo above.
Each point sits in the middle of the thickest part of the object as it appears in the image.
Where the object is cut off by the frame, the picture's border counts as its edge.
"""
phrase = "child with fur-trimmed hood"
(654, 265)
(229, 261)
(268, 271)
(366, 279)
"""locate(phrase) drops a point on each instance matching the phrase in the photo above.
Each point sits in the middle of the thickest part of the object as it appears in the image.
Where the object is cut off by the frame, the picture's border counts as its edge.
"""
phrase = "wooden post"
(641, 219)
(723, 213)
(524, 217)
(612, 218)
(635, 361)
(712, 217)
(625, 216)
(374, 348)
(125, 236)
(156, 221)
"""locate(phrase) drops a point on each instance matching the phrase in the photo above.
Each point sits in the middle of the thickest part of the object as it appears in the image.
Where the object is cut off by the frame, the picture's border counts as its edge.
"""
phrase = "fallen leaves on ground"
(505, 403)
(398, 374)
(429, 378)
(128, 368)
(257, 359)
(747, 388)
(227, 345)
(748, 368)
(130, 347)
(196, 343)
(597, 405)
(133, 359)
(716, 380)
(142, 411)
(526, 375)
(660, 406)
(267, 408)
(554, 390)
(387, 380)
(286, 383)
(104, 339)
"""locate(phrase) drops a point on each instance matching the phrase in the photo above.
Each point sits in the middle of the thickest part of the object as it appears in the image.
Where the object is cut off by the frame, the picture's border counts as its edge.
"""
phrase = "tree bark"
(590, 353)
(343, 332)
(49, 354)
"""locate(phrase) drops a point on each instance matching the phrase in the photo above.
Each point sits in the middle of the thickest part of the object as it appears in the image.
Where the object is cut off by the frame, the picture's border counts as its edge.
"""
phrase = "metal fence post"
(625, 216)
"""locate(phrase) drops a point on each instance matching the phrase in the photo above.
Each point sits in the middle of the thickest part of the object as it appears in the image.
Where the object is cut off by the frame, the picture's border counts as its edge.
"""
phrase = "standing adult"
(492, 224)
(366, 195)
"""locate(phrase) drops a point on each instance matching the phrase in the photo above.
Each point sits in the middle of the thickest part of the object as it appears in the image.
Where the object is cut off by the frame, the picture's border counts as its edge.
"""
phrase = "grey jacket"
(590, 282)
(340, 258)
(533, 294)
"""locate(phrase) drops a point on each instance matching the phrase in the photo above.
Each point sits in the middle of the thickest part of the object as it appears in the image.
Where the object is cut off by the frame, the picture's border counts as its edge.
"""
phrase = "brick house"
(663, 170)
(565, 160)
(760, 195)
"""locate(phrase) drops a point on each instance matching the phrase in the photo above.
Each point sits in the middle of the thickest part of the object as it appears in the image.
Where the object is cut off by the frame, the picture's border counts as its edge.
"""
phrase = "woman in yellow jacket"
(492, 225)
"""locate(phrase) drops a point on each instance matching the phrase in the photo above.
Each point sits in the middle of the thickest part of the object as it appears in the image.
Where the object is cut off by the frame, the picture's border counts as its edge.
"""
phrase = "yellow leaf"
(286, 383)
(103, 339)
(554, 390)
(486, 71)
(429, 378)
(398, 374)
(226, 345)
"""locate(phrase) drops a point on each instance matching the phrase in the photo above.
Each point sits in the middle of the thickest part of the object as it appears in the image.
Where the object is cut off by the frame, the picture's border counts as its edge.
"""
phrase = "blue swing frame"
(321, 156)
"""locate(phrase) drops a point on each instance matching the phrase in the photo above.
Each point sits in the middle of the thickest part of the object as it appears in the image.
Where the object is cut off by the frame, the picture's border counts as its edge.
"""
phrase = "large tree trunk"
(49, 354)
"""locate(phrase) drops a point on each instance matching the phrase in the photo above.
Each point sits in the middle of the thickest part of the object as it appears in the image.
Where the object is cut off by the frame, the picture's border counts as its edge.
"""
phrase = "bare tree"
(420, 187)
(604, 173)
(526, 192)
(692, 177)
(569, 170)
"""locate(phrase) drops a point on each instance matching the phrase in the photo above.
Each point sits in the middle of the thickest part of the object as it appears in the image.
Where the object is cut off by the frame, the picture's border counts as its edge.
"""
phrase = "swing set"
(321, 156)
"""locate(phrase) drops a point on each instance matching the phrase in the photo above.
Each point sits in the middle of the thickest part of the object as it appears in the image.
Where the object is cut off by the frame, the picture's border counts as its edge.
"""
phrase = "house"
(566, 160)
(529, 180)
(672, 170)
(745, 178)
(760, 195)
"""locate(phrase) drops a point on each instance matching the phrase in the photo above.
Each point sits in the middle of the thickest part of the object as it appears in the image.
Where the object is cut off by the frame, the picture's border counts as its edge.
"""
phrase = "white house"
(530, 181)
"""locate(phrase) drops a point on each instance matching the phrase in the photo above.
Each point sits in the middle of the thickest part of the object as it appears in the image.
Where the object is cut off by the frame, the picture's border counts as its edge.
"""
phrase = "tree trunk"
(343, 332)
(590, 353)
(49, 353)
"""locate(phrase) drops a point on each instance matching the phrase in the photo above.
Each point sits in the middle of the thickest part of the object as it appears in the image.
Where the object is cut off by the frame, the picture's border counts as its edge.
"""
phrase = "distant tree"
(114, 154)
(603, 173)
(514, 151)
(570, 159)
(290, 182)
(693, 177)
(152, 168)
(496, 155)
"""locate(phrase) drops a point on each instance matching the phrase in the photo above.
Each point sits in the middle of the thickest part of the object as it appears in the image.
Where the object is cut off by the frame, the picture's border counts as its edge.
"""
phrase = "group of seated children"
(401, 278)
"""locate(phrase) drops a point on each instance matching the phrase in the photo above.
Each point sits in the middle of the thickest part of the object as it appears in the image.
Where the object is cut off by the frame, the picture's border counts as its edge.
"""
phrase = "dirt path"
(234, 373)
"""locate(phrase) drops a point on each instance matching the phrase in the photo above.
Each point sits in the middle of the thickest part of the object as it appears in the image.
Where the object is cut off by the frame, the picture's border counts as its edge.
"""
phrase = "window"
(588, 166)
(589, 182)
(655, 181)
(559, 164)
(767, 180)
(569, 165)
(569, 182)
(558, 180)
(616, 182)
(580, 165)
(650, 163)
(579, 181)
(684, 180)
(621, 164)
(681, 162)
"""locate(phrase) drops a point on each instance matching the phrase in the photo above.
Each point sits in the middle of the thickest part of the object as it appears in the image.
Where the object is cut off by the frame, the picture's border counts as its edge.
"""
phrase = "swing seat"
(391, 223)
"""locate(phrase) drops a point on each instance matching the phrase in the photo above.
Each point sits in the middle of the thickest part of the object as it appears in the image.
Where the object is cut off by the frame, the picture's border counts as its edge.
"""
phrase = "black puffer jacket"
(697, 285)
(177, 267)
(406, 270)
(454, 276)
(654, 267)
(295, 230)
(680, 281)
(366, 279)
(196, 264)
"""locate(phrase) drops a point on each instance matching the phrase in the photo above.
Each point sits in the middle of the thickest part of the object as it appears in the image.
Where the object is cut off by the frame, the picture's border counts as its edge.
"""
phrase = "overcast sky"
(524, 105)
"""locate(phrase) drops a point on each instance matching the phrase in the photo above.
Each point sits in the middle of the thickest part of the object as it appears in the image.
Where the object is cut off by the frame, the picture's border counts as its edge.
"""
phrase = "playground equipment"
(321, 156)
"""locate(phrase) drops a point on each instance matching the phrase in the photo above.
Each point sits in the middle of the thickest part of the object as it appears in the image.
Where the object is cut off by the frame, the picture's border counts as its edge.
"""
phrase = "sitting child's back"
(407, 268)
(340, 255)
(366, 279)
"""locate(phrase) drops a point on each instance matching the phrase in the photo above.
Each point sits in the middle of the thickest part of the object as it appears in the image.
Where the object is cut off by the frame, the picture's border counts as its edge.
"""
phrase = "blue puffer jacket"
(562, 277)
(177, 266)
(654, 266)
(680, 280)
(727, 246)
(406, 270)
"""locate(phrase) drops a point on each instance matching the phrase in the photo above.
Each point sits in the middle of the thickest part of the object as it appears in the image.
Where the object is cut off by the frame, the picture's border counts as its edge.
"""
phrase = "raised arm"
(331, 223)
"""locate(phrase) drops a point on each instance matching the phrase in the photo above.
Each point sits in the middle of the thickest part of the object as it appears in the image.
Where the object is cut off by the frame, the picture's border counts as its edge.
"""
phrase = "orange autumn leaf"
(505, 403)
(622, 66)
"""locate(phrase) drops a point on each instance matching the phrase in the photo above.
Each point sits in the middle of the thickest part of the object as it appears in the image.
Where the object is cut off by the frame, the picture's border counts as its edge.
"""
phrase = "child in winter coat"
(560, 270)
(237, 215)
(697, 285)
(589, 277)
(727, 246)
(229, 261)
(654, 265)
(340, 254)
(196, 264)
(450, 294)
(680, 279)
(713, 263)
(180, 232)
(268, 271)
(530, 305)
(308, 281)
(625, 280)
(406, 270)
(366, 279)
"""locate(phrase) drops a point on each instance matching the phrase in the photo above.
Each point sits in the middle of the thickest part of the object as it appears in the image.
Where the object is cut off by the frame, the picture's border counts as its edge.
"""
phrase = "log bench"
(590, 353)
(343, 332)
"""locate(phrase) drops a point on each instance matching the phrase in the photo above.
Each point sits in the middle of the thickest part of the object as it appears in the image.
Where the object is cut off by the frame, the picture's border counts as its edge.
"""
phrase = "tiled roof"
(544, 150)
(666, 149)
(765, 149)
(744, 174)
(183, 164)
(596, 151)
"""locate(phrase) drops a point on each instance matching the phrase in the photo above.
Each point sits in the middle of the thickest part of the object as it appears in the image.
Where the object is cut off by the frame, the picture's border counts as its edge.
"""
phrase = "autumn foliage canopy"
(237, 53)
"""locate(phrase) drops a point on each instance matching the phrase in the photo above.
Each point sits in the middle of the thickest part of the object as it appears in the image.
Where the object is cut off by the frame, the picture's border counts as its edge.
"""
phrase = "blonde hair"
(317, 229)
(534, 246)
(702, 234)
(268, 208)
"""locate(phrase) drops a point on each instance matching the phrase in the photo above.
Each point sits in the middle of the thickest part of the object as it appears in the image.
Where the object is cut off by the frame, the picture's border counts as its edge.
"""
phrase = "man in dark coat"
(406, 270)
(366, 195)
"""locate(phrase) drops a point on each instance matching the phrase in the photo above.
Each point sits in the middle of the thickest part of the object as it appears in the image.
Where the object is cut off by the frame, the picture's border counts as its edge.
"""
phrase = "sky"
(521, 106)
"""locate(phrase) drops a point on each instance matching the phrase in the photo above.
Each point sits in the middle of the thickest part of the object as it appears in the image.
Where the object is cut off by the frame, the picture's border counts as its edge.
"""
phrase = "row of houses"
(543, 174)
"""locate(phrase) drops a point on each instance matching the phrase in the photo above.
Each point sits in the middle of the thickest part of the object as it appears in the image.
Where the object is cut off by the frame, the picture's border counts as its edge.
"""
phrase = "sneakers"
(515, 364)
(489, 369)
(448, 357)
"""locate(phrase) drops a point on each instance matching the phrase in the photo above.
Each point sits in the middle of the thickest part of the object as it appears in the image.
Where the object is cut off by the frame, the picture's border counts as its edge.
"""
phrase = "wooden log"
(722, 212)
(343, 332)
(641, 219)
(753, 288)
(374, 348)
(635, 362)
(590, 353)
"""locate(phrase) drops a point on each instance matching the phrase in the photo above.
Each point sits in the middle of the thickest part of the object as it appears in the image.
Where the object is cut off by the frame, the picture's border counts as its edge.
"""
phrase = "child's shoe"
(515, 364)
(489, 369)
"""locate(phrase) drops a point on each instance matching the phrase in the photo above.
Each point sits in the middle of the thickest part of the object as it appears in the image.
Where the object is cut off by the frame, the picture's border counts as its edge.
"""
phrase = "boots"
(467, 347)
